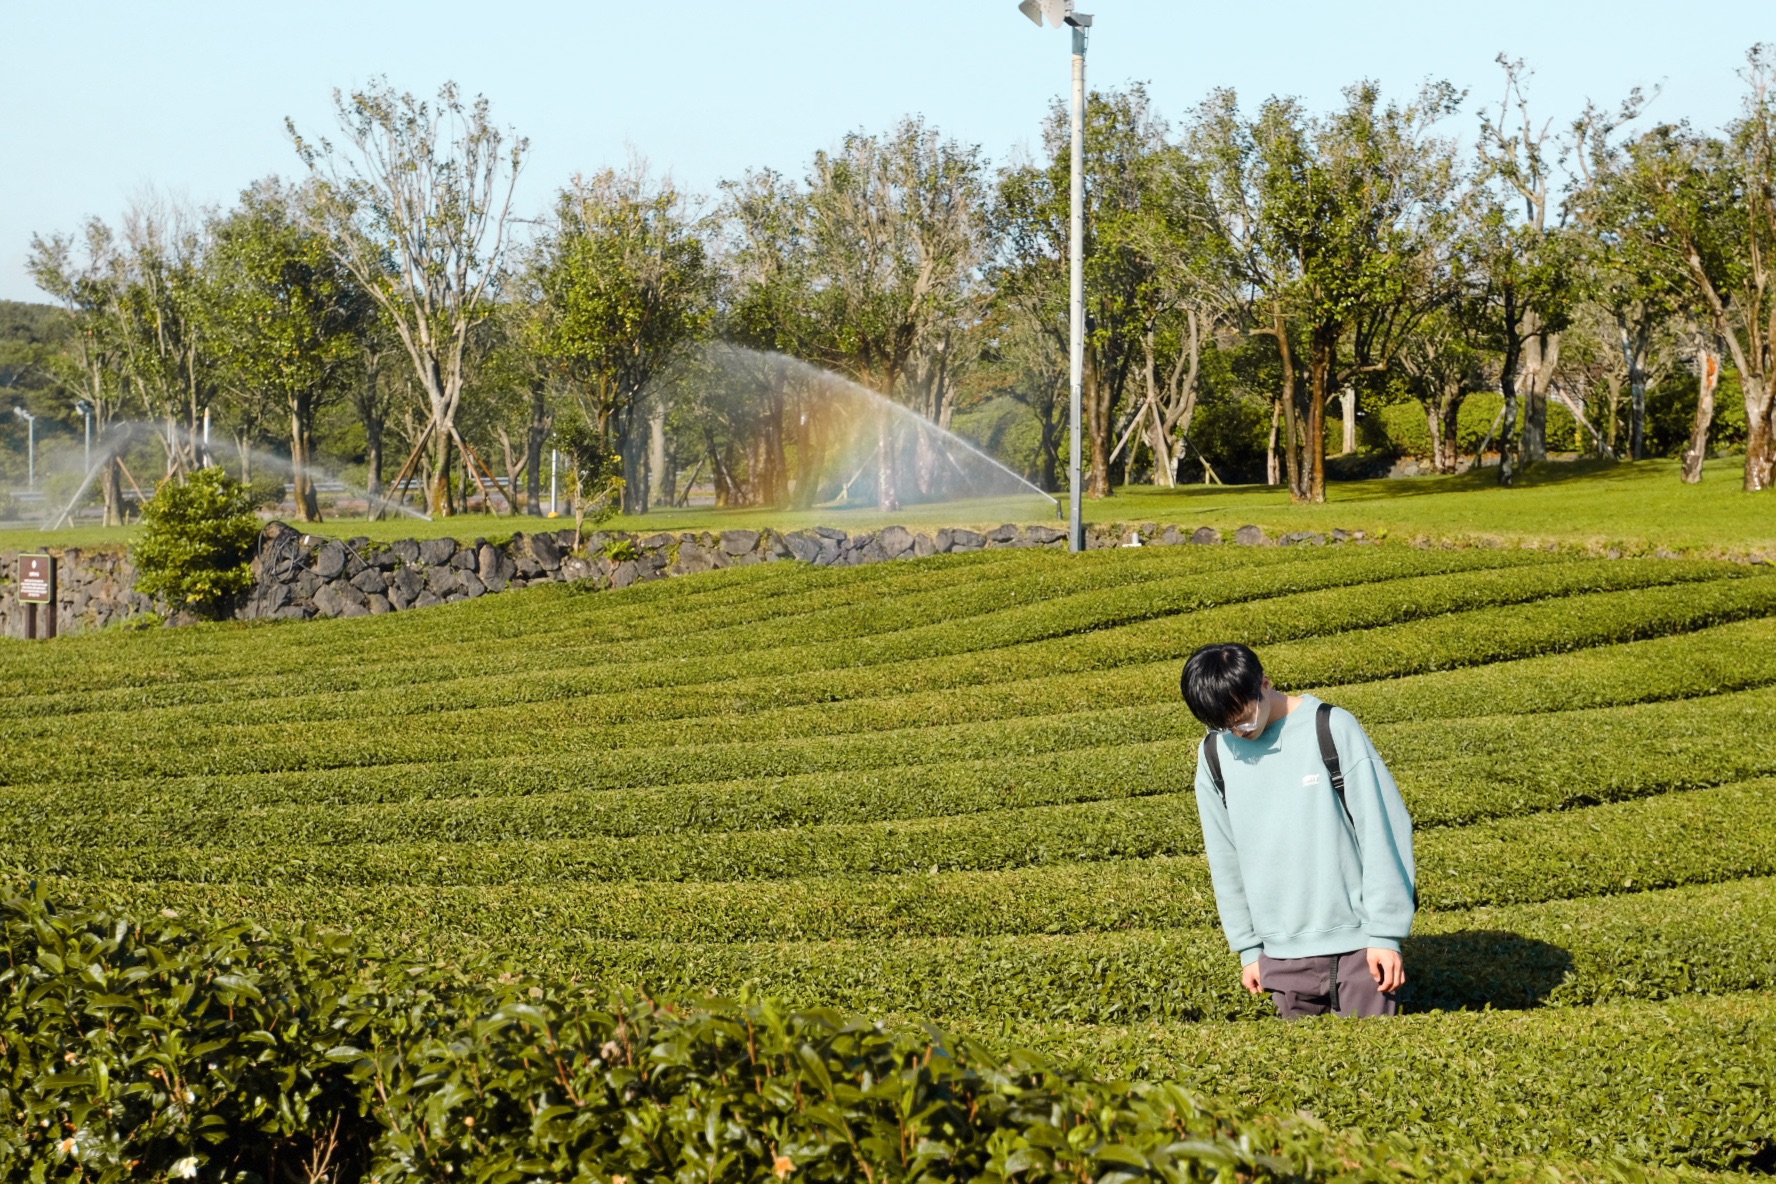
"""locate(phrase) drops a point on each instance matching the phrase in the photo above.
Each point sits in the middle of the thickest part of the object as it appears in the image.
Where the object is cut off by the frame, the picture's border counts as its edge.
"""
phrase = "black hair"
(1220, 682)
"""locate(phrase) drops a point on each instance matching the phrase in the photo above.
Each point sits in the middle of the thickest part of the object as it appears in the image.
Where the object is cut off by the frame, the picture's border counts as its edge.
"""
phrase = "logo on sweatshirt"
(1310, 780)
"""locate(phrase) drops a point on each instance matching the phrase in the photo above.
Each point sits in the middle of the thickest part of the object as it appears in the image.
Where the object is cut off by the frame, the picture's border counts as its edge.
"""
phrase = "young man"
(1315, 888)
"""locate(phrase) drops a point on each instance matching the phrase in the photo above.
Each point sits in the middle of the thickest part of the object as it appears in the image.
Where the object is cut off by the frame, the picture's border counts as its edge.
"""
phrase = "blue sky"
(102, 100)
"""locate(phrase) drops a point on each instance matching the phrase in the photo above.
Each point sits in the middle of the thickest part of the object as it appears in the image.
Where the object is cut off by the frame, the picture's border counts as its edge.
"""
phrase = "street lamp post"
(30, 444)
(1058, 13)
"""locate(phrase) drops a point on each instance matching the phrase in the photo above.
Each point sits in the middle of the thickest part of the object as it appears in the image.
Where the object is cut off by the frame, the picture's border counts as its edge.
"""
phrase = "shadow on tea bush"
(1480, 968)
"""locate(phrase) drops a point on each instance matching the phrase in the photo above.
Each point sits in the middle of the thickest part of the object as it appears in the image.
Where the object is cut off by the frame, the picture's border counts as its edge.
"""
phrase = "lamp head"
(22, 413)
(1055, 12)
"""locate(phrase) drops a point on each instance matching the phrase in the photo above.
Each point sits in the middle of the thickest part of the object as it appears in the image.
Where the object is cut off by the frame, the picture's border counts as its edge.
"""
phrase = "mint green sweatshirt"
(1293, 878)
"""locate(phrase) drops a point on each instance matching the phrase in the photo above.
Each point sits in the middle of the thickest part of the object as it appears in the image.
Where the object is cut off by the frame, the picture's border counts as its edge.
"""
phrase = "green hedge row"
(1646, 945)
(1683, 1082)
(207, 665)
(1625, 847)
(860, 811)
(578, 627)
(160, 1050)
(950, 623)
(1710, 661)
(1643, 945)
(126, 749)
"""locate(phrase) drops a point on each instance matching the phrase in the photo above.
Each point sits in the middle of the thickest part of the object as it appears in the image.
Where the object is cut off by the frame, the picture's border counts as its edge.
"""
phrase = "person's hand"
(1249, 977)
(1388, 969)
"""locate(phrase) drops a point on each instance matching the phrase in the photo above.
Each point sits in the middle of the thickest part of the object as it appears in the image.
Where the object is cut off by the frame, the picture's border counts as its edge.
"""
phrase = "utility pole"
(85, 410)
(1058, 13)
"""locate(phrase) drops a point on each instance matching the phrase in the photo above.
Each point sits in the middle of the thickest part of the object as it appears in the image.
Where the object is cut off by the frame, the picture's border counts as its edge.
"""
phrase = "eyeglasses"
(1247, 727)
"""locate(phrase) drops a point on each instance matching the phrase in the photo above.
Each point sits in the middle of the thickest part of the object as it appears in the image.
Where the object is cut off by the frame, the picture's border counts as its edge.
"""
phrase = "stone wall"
(298, 575)
(94, 588)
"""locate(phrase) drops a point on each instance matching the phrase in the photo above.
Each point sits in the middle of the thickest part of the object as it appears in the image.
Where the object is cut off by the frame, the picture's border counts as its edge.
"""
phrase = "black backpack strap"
(1212, 754)
(1329, 755)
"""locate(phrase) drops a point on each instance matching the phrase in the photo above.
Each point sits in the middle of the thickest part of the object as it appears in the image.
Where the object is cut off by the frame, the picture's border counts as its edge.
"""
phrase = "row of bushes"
(1623, 847)
(734, 598)
(1665, 842)
(1454, 770)
(1117, 801)
(1681, 1082)
(159, 1050)
(351, 668)
(1638, 945)
(1451, 771)
(1599, 618)
(1066, 805)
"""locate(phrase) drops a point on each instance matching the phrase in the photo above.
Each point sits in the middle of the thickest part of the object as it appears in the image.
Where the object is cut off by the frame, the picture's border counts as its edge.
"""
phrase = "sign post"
(36, 592)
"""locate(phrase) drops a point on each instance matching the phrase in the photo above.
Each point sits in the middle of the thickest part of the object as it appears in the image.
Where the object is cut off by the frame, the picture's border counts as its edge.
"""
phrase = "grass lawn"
(960, 789)
(1639, 507)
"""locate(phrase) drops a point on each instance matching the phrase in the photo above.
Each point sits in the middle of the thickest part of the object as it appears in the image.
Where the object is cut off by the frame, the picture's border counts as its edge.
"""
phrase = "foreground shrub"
(196, 541)
(161, 1049)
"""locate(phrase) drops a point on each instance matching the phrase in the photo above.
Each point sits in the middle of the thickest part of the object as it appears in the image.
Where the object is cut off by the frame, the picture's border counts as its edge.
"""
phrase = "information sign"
(36, 579)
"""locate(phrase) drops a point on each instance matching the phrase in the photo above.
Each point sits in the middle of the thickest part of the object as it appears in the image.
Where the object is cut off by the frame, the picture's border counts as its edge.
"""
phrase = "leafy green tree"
(417, 205)
(624, 284)
(894, 233)
(81, 276)
(1149, 231)
(1523, 287)
(1533, 266)
(594, 473)
(1704, 207)
(1639, 288)
(283, 316)
(766, 308)
(1337, 233)
(156, 315)
(196, 544)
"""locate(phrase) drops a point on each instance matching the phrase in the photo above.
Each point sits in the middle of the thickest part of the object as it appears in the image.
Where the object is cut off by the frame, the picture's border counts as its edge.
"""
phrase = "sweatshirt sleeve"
(1384, 836)
(1224, 870)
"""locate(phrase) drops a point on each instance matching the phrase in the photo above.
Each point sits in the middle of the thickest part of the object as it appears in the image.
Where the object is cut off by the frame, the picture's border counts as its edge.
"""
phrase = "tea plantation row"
(959, 789)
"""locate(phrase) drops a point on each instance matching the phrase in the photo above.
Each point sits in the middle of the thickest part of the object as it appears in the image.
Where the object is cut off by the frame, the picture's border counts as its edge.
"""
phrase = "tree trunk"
(1271, 475)
(1322, 358)
(111, 481)
(1707, 380)
(1449, 460)
(375, 419)
(1291, 425)
(373, 463)
(1541, 358)
(440, 501)
(632, 450)
(1634, 346)
(776, 453)
(1508, 371)
(657, 493)
(536, 434)
(1348, 398)
(1096, 413)
(308, 506)
(887, 493)
(1760, 433)
(1535, 402)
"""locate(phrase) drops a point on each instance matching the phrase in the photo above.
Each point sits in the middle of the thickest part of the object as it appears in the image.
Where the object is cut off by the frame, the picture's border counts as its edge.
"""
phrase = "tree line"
(1252, 280)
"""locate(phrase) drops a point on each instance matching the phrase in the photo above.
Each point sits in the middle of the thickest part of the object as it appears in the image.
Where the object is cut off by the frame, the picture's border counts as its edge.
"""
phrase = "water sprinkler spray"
(30, 444)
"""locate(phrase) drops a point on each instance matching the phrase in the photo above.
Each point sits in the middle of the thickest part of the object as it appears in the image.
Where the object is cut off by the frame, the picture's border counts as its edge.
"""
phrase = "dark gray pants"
(1337, 983)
